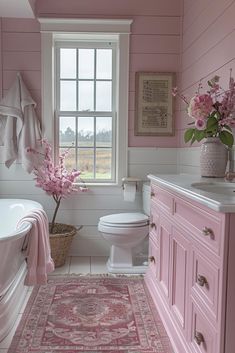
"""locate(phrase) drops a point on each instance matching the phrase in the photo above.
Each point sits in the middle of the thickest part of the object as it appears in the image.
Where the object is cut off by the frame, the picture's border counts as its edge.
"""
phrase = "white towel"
(19, 125)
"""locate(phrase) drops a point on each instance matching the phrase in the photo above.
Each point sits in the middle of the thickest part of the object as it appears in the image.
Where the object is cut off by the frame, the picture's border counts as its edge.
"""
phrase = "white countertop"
(183, 184)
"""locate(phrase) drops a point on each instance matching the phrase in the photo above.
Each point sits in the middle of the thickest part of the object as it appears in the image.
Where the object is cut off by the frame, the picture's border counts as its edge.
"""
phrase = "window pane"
(103, 96)
(86, 131)
(67, 95)
(104, 64)
(86, 63)
(86, 162)
(104, 131)
(67, 129)
(70, 160)
(103, 163)
(67, 63)
(86, 95)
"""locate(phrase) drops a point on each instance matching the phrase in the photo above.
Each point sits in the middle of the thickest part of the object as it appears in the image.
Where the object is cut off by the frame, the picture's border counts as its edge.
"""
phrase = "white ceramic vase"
(213, 158)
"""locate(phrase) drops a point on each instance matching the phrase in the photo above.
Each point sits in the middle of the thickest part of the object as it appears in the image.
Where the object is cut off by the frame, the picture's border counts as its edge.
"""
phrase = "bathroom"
(193, 39)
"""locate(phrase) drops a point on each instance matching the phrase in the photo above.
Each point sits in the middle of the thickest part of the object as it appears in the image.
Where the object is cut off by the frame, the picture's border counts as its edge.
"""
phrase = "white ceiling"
(16, 8)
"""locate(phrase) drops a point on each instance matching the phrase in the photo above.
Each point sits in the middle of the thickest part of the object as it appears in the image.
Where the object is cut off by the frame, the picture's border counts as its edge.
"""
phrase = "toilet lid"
(125, 219)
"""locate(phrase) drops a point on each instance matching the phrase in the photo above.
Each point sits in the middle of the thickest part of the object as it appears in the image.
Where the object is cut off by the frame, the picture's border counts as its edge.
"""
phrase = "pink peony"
(200, 106)
(213, 112)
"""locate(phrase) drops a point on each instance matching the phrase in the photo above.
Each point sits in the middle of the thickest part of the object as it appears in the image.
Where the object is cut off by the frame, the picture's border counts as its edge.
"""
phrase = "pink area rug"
(91, 314)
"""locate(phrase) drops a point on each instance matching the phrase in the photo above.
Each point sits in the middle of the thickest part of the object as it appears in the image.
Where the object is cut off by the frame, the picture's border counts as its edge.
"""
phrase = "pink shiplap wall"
(155, 50)
(207, 48)
(21, 51)
(154, 45)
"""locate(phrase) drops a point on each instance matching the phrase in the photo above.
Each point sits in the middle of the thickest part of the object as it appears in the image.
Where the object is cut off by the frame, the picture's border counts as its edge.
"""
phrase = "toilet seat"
(124, 220)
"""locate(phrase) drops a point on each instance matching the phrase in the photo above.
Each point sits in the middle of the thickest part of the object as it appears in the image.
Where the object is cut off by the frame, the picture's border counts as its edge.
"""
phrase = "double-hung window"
(86, 106)
(85, 75)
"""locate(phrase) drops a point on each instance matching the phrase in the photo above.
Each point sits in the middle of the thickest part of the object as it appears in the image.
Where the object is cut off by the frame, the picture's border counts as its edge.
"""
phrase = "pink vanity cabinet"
(191, 275)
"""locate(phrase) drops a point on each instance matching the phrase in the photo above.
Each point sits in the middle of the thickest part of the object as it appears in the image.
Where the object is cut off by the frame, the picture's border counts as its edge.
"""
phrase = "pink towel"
(38, 252)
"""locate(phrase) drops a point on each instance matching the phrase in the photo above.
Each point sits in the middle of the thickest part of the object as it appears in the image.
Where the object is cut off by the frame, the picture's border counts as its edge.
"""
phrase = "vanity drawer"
(203, 336)
(206, 226)
(205, 283)
(162, 198)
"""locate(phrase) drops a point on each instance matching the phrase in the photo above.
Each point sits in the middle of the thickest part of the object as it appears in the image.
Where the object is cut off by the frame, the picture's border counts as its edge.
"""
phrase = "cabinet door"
(153, 256)
(164, 230)
(179, 276)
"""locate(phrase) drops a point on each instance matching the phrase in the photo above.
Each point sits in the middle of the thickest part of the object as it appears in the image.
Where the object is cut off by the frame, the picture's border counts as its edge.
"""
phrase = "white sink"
(222, 188)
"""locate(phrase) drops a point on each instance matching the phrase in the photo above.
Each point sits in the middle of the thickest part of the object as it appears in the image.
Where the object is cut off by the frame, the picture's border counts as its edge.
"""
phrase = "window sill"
(97, 184)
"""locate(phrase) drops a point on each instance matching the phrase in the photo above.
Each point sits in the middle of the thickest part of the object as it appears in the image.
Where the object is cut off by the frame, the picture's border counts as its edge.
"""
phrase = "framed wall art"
(154, 104)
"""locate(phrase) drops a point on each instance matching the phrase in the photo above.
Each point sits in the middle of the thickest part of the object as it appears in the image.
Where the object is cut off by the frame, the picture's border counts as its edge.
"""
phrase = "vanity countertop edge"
(181, 184)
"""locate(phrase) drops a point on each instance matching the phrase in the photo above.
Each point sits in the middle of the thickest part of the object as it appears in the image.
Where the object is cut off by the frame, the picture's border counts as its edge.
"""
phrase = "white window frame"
(55, 28)
(95, 42)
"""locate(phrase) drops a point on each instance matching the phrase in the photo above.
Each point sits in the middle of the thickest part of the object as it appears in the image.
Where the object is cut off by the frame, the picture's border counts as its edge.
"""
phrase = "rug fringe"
(98, 275)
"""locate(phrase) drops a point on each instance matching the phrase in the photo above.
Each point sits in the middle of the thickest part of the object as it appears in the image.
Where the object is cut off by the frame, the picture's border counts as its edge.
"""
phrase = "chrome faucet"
(230, 175)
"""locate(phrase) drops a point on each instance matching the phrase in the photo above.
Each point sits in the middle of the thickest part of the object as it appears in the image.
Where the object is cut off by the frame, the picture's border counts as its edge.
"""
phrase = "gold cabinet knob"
(199, 337)
(152, 259)
(153, 225)
(201, 280)
(208, 232)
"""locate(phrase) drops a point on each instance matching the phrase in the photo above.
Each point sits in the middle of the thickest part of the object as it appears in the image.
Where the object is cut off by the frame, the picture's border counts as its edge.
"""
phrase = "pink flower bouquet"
(55, 180)
(213, 112)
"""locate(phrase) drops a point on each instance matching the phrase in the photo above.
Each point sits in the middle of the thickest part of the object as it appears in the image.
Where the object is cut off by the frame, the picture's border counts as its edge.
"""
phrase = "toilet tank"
(146, 198)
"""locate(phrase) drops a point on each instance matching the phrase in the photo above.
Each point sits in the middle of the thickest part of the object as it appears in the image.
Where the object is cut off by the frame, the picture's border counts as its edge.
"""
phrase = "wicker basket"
(60, 242)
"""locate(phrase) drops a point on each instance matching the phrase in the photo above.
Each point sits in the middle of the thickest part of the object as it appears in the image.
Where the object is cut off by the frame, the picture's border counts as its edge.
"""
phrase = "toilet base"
(112, 268)
(121, 261)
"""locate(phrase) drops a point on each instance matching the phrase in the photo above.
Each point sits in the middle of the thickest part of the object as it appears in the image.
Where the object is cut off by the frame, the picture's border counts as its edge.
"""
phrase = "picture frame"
(154, 104)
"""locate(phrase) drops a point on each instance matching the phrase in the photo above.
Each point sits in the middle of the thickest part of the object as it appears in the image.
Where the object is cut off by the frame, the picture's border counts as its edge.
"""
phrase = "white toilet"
(124, 231)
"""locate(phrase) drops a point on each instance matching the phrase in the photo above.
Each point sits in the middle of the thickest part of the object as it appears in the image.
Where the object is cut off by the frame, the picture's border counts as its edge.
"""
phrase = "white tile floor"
(81, 264)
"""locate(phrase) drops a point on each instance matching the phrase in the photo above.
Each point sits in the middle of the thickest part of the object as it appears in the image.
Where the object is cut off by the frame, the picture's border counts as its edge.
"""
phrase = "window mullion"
(76, 142)
(77, 80)
(95, 64)
(94, 147)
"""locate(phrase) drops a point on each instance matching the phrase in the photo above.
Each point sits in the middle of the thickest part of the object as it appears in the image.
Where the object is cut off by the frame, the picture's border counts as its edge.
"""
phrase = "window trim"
(50, 28)
(112, 113)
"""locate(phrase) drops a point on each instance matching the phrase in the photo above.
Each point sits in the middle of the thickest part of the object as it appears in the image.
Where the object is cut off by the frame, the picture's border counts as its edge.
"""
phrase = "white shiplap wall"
(86, 208)
(189, 160)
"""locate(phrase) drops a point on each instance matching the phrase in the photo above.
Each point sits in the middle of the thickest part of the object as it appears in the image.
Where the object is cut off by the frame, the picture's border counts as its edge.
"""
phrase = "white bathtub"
(12, 259)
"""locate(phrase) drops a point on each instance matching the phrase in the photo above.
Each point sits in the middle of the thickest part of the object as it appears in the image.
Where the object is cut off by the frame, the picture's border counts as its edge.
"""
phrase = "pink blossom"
(200, 124)
(55, 180)
(215, 88)
(229, 121)
(200, 106)
(175, 93)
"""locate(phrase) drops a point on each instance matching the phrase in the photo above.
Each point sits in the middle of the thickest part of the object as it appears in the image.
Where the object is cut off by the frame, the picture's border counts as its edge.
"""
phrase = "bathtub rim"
(26, 226)
(18, 233)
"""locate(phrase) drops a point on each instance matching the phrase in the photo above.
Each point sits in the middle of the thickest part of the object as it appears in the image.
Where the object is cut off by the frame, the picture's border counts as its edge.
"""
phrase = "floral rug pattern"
(91, 314)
